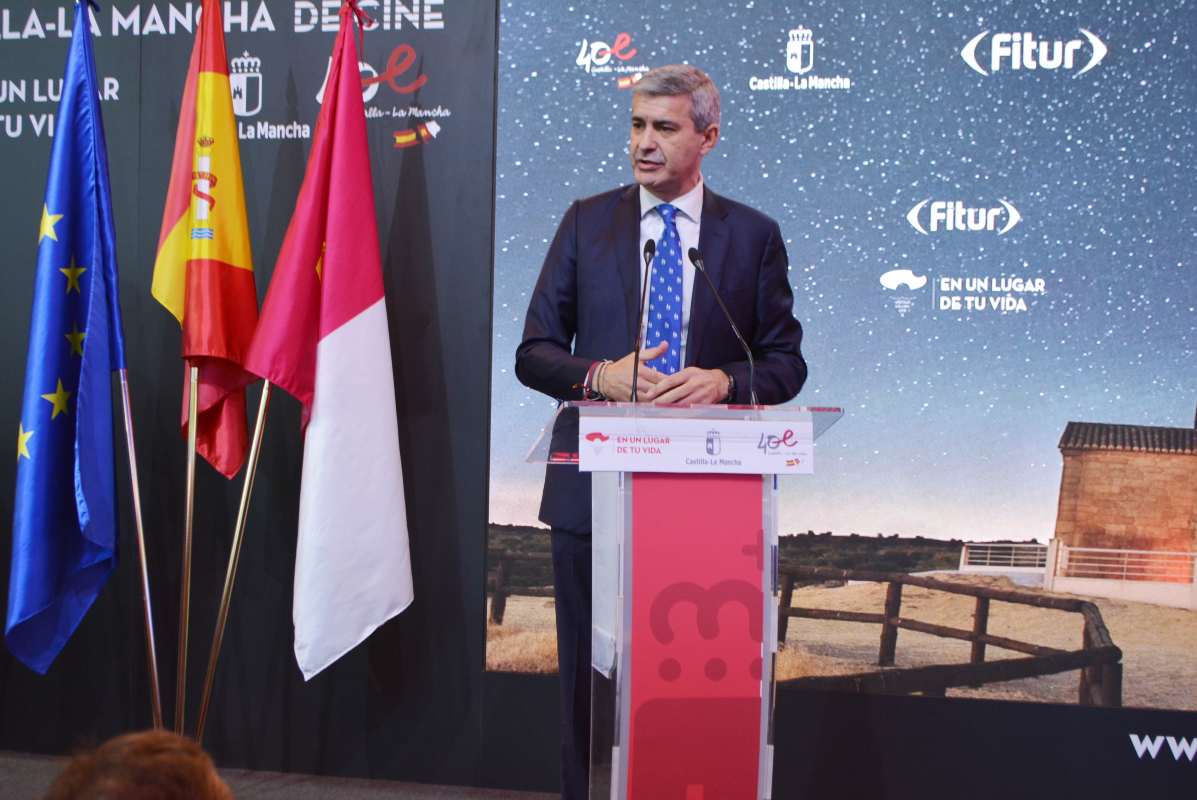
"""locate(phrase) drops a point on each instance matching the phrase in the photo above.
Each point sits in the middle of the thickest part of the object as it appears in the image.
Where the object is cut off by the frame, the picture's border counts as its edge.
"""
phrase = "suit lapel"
(713, 240)
(627, 263)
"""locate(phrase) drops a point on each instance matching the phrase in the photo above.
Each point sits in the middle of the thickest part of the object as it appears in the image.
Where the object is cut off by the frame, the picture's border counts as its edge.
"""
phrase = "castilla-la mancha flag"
(203, 272)
(323, 337)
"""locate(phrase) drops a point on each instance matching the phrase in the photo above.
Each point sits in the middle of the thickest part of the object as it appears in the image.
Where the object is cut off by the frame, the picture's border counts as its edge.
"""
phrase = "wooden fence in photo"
(506, 569)
(1099, 660)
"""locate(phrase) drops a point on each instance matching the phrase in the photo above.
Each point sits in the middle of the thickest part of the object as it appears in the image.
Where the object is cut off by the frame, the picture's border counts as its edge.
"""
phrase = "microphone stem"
(736, 331)
(648, 260)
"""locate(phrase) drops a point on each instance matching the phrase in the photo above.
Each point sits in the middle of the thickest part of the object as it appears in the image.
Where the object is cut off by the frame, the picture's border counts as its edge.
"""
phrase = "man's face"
(665, 148)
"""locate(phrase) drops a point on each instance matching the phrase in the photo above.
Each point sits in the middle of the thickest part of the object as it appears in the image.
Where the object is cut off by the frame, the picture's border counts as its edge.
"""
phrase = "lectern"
(684, 627)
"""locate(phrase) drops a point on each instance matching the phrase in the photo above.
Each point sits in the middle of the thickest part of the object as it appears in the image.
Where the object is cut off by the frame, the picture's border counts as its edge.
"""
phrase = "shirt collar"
(689, 204)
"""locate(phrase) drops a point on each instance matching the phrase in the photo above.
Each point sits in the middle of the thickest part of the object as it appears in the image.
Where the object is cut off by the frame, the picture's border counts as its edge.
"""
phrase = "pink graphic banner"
(697, 621)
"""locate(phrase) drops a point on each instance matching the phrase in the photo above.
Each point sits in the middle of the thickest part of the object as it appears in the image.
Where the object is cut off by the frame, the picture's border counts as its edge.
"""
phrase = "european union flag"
(65, 526)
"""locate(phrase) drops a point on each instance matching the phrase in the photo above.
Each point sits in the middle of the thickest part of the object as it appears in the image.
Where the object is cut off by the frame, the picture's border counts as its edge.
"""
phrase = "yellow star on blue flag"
(65, 513)
(47, 226)
(58, 399)
(23, 437)
(72, 274)
(76, 337)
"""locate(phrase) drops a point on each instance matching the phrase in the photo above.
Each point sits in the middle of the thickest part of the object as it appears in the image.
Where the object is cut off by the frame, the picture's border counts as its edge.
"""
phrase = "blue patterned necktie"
(665, 302)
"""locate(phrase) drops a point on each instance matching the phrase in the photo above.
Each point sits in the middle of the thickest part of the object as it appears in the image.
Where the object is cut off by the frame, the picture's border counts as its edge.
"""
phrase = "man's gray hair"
(683, 79)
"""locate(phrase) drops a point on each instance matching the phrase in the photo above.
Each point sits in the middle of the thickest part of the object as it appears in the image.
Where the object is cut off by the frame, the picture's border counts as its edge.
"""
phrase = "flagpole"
(147, 608)
(230, 576)
(185, 582)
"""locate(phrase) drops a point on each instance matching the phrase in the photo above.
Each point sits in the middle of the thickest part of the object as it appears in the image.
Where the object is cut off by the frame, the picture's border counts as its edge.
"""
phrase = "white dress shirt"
(688, 219)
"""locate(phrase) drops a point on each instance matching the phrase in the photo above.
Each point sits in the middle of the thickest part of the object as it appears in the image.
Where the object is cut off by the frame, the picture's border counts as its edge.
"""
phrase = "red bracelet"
(588, 390)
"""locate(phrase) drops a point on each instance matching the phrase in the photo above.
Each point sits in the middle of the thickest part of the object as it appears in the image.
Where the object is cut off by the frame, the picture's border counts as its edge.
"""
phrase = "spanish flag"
(203, 272)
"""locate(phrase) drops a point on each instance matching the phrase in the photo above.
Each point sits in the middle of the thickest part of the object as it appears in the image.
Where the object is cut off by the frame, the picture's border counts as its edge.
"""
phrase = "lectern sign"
(655, 444)
(684, 612)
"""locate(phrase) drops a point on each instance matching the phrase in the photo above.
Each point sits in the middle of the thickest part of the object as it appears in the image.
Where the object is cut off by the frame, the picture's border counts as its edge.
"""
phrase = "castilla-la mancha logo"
(954, 215)
(1018, 51)
(799, 54)
(245, 83)
(245, 80)
(800, 51)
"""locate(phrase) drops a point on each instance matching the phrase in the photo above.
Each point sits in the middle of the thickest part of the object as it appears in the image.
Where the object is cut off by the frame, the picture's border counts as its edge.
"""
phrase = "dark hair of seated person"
(150, 765)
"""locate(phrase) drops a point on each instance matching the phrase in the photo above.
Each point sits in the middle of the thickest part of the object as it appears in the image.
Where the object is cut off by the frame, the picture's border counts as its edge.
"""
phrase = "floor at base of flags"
(23, 775)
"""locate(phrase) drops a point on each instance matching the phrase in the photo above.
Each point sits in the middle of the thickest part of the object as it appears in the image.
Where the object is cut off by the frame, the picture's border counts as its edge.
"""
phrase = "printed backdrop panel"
(990, 217)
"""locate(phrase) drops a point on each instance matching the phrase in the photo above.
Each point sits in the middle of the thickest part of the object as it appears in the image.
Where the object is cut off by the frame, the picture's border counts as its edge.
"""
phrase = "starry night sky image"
(952, 418)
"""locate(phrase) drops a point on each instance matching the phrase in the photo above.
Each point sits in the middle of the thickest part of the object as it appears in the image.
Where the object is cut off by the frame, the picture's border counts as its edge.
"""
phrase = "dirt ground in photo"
(1158, 643)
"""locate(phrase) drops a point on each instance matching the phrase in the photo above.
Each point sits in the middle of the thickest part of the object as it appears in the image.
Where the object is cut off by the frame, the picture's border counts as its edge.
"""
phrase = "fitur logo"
(954, 215)
(1019, 51)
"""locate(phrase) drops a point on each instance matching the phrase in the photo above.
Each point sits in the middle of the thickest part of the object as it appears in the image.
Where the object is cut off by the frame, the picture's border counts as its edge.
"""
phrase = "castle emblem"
(800, 51)
(245, 80)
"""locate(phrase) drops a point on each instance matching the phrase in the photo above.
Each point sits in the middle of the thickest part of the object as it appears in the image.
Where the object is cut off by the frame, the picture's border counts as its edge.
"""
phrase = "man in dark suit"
(581, 330)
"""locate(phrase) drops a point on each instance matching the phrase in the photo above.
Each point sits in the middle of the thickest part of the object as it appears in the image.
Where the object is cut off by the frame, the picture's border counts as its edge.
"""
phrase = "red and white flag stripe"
(352, 568)
(323, 337)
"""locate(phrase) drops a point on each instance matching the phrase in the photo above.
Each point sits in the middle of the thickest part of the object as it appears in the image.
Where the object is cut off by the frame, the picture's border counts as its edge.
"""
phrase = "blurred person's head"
(151, 765)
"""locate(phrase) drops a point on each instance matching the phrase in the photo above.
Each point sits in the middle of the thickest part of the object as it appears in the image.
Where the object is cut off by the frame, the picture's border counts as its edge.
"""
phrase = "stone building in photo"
(1131, 487)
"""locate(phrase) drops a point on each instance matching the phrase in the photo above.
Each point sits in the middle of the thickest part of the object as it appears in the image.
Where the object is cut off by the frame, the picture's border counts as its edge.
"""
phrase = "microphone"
(650, 249)
(696, 258)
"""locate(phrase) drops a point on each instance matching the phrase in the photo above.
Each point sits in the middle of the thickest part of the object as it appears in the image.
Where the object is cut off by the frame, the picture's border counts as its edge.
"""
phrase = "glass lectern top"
(557, 442)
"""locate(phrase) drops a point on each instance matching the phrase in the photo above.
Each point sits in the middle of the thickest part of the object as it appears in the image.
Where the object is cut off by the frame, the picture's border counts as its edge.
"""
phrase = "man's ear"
(710, 137)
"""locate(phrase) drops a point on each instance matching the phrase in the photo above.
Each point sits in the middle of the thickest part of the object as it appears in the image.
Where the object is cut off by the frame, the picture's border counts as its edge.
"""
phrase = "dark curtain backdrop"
(407, 703)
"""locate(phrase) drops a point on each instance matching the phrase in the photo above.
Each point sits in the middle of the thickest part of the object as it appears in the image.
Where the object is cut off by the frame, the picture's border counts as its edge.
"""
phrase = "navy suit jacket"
(584, 309)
